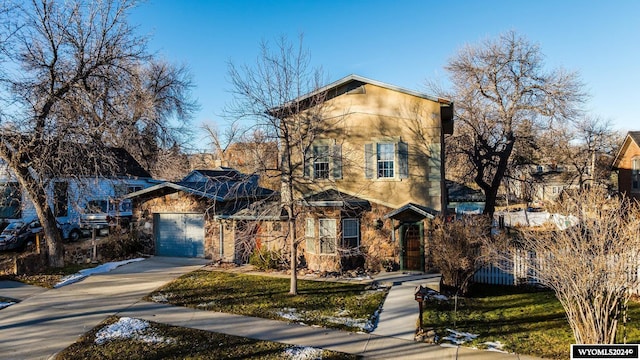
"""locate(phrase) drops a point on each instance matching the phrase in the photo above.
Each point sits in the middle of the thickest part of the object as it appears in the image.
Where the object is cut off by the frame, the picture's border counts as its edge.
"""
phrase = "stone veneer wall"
(376, 246)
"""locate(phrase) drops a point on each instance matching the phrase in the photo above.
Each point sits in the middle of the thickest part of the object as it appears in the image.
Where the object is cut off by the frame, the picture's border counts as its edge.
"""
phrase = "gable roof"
(335, 198)
(412, 212)
(221, 184)
(353, 83)
(632, 137)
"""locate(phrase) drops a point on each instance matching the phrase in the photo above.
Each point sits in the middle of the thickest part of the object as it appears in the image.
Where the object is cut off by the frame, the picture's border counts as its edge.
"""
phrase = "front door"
(412, 253)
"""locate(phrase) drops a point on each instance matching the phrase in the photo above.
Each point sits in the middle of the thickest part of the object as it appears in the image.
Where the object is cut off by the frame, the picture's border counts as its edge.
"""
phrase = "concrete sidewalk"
(399, 316)
(368, 345)
(47, 322)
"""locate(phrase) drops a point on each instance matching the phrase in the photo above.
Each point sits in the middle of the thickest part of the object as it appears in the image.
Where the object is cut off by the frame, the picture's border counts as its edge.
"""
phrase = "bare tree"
(503, 97)
(457, 248)
(268, 95)
(592, 265)
(74, 63)
(158, 93)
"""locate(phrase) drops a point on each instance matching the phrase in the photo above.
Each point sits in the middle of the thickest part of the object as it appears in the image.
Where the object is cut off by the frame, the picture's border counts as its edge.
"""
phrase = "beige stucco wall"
(384, 115)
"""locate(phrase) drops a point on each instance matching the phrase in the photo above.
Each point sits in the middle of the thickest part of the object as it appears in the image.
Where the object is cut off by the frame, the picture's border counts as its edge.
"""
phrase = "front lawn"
(525, 321)
(332, 304)
(49, 277)
(126, 338)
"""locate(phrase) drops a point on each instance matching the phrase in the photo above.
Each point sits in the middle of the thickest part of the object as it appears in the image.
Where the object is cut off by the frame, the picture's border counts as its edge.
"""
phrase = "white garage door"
(179, 234)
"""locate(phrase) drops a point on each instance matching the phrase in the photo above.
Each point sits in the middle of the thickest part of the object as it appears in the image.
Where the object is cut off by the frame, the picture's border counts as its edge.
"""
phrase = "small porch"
(408, 224)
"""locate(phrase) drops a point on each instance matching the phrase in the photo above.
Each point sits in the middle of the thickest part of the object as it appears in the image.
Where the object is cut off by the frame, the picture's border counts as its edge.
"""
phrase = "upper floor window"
(635, 174)
(323, 161)
(386, 160)
(386, 154)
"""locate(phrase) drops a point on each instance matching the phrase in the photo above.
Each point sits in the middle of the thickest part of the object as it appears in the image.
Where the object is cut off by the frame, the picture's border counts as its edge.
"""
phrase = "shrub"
(265, 259)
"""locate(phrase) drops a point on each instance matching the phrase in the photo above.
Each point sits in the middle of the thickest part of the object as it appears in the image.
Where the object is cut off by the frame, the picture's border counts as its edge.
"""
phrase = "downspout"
(221, 227)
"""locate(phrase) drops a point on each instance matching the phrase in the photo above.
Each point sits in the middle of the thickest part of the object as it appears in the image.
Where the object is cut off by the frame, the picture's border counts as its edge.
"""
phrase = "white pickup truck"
(104, 213)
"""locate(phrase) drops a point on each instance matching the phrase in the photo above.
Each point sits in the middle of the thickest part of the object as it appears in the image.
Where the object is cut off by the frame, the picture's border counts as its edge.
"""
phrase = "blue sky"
(402, 43)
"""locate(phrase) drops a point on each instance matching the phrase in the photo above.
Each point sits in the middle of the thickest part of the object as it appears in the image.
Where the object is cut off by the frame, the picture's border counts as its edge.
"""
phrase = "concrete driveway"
(46, 322)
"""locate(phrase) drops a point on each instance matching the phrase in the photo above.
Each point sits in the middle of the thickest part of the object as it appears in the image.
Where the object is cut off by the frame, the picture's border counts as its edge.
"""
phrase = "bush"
(265, 259)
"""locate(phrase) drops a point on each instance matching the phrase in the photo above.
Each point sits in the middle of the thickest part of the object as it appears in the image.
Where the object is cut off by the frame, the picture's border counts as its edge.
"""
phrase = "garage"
(179, 234)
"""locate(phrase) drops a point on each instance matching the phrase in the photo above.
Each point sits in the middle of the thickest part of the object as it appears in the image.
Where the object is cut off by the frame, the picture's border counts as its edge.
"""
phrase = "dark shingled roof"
(635, 135)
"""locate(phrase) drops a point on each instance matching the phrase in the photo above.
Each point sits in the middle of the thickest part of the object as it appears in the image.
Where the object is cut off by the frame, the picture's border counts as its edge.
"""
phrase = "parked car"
(18, 234)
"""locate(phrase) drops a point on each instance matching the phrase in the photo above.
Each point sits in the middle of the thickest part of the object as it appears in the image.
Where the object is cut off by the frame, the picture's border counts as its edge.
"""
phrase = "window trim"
(310, 235)
(356, 236)
(400, 162)
(333, 161)
(321, 158)
(385, 167)
(322, 239)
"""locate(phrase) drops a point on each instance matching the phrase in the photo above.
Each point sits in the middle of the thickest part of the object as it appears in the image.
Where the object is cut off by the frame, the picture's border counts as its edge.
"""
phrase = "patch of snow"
(128, 328)
(459, 338)
(303, 353)
(432, 294)
(104, 268)
(6, 304)
(161, 298)
(494, 346)
(289, 314)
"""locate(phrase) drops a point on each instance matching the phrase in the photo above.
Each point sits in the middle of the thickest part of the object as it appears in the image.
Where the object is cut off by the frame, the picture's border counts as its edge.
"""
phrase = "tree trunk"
(45, 215)
(293, 288)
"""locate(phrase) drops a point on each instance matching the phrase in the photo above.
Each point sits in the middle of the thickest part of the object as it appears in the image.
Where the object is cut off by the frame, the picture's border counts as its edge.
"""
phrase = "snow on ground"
(6, 304)
(104, 268)
(303, 353)
(128, 328)
(432, 294)
(161, 298)
(341, 318)
(494, 346)
(289, 314)
(459, 338)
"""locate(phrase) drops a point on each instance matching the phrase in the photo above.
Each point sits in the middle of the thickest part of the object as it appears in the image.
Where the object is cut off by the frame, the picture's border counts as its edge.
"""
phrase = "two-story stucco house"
(627, 163)
(374, 178)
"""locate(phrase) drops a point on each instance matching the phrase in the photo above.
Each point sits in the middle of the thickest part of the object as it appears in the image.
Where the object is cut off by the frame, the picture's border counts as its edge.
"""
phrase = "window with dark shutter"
(403, 160)
(368, 161)
(336, 170)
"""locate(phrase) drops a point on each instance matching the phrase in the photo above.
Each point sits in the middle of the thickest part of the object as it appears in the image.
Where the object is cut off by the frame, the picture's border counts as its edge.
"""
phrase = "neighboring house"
(627, 163)
(544, 183)
(464, 200)
(374, 177)
(190, 217)
(68, 197)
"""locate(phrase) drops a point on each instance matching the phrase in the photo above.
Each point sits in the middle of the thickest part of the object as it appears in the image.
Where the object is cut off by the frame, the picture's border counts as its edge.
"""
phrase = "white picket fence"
(517, 272)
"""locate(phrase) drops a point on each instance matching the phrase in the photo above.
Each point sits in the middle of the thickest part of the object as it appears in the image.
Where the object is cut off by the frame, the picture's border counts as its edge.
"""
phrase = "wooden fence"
(518, 271)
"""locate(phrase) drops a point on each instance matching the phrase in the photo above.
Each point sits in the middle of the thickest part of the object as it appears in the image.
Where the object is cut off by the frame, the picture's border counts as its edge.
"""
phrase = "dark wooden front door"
(412, 255)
